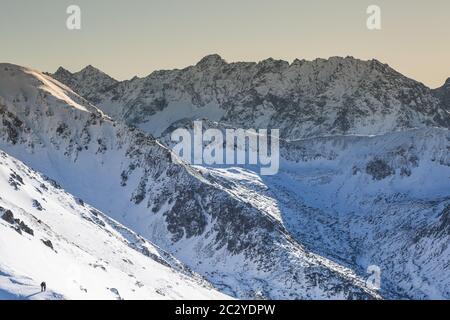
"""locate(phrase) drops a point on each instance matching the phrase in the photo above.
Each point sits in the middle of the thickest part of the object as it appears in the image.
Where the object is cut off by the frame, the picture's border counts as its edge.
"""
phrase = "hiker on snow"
(43, 287)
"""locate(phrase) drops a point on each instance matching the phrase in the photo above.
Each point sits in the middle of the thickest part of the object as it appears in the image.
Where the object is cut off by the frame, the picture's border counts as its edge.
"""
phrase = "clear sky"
(136, 37)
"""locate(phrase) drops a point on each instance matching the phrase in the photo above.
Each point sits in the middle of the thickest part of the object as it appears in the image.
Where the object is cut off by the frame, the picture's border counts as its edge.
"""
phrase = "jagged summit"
(443, 94)
(89, 69)
(211, 60)
(62, 71)
(339, 95)
(217, 60)
(88, 82)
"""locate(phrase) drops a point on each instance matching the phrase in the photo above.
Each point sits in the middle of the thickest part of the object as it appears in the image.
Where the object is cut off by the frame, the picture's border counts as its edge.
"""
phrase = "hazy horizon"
(135, 38)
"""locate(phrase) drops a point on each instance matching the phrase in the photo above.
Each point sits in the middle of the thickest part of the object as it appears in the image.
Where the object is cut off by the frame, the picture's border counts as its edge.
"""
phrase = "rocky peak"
(93, 72)
(89, 69)
(273, 65)
(212, 60)
(63, 72)
(89, 82)
(305, 98)
(443, 94)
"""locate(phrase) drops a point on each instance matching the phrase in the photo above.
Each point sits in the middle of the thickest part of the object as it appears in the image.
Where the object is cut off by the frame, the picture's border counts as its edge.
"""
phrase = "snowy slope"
(47, 234)
(361, 201)
(128, 175)
(391, 194)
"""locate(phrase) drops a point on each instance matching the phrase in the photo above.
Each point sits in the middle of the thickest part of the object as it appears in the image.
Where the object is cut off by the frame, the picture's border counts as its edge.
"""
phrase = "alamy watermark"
(73, 22)
(374, 20)
(235, 147)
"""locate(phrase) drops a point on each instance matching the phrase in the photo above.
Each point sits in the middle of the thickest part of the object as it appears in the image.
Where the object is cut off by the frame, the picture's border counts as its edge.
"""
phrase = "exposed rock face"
(48, 243)
(443, 93)
(17, 224)
(379, 169)
(37, 205)
(8, 216)
(89, 82)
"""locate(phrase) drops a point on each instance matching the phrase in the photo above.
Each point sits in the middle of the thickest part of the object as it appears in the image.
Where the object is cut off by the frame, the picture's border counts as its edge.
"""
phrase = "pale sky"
(136, 37)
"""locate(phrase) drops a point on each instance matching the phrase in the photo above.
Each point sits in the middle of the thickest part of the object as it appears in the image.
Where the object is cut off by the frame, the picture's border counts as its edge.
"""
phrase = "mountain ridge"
(302, 99)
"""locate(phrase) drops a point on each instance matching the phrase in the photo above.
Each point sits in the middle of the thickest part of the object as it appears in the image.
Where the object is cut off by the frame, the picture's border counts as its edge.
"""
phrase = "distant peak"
(273, 62)
(62, 71)
(211, 60)
(90, 69)
(298, 61)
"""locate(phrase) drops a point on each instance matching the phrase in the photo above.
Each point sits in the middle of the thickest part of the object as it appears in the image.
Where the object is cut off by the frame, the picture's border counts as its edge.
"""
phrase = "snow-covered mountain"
(381, 200)
(364, 177)
(361, 201)
(48, 234)
(235, 244)
(302, 99)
